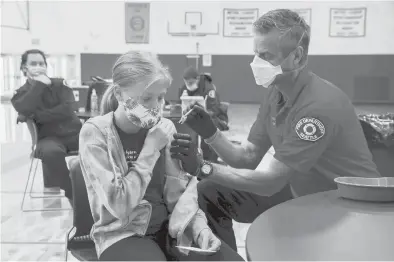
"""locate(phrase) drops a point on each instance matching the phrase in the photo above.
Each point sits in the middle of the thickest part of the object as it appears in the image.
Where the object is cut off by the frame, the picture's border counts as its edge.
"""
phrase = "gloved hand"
(200, 121)
(183, 148)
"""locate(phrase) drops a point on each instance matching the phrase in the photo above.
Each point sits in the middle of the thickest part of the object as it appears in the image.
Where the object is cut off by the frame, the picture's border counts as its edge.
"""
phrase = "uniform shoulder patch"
(212, 94)
(310, 129)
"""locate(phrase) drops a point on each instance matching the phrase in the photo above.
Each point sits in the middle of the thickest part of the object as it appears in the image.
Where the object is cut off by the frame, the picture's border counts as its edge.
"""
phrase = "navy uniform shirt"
(314, 130)
(207, 90)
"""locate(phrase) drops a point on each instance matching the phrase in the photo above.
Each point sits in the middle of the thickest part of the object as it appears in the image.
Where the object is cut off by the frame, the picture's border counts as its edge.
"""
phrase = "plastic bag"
(378, 129)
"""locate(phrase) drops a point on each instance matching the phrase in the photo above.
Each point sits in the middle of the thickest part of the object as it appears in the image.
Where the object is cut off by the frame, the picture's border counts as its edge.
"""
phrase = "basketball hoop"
(193, 29)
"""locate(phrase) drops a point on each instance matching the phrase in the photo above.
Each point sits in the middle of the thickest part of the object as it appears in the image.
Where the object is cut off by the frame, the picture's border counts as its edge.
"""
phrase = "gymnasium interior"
(83, 39)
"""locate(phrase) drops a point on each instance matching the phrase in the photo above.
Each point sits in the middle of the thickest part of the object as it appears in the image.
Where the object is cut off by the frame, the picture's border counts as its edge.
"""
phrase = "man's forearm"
(262, 182)
(232, 154)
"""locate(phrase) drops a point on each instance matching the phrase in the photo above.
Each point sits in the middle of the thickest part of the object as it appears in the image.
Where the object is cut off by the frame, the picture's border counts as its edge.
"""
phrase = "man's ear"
(298, 55)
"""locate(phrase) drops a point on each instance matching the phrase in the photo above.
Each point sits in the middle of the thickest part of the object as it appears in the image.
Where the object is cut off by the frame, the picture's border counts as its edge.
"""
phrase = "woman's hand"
(43, 79)
(159, 136)
(208, 241)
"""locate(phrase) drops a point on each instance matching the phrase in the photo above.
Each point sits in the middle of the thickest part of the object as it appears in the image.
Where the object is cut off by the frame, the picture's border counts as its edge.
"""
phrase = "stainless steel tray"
(366, 189)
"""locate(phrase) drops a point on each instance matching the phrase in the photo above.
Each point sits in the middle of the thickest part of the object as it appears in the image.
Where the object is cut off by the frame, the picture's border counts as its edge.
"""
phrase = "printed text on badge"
(310, 129)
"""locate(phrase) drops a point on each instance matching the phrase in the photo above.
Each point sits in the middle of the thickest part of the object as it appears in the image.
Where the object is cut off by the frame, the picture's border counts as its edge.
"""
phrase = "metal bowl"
(380, 189)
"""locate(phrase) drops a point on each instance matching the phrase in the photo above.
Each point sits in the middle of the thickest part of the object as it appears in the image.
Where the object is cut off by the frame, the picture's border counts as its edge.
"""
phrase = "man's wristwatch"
(205, 170)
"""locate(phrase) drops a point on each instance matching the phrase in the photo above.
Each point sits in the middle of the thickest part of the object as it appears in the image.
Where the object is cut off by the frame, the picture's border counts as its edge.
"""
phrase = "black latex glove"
(183, 148)
(200, 121)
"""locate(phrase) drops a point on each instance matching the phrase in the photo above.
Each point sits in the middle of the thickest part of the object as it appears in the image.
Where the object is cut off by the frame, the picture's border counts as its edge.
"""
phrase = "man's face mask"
(265, 73)
(191, 85)
(141, 116)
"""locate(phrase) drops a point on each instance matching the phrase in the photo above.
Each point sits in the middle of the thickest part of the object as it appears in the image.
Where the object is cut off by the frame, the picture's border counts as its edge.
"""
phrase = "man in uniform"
(50, 103)
(311, 124)
(201, 85)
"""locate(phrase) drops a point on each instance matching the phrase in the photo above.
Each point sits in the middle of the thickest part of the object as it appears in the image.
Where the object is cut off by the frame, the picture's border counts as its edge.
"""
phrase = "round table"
(323, 226)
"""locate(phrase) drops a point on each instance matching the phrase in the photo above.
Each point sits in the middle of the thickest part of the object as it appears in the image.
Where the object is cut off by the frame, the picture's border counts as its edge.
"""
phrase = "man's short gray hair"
(291, 26)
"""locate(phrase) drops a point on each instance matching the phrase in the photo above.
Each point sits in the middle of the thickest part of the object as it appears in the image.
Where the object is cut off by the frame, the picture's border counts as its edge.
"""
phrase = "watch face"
(206, 169)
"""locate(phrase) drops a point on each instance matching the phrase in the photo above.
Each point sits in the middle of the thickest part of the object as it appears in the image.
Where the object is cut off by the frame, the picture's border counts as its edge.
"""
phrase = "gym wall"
(361, 66)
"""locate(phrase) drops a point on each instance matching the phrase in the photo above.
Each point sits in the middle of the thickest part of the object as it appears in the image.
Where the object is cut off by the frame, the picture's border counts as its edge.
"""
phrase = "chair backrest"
(33, 130)
(83, 219)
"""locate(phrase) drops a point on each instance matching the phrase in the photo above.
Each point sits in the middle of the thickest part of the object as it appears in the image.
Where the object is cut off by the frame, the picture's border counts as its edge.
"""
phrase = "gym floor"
(40, 235)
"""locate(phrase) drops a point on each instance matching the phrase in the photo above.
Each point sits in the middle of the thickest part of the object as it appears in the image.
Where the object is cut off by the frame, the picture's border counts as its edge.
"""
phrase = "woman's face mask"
(32, 71)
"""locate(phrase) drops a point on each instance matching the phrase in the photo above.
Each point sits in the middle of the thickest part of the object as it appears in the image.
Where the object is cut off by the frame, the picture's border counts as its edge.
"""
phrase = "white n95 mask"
(192, 87)
(264, 72)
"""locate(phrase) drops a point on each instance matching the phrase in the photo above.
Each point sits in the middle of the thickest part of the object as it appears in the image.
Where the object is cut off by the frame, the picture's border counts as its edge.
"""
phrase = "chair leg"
(34, 160)
(67, 240)
(28, 180)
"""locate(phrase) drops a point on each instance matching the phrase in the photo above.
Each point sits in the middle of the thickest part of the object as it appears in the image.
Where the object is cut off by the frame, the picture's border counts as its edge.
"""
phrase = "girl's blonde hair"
(130, 69)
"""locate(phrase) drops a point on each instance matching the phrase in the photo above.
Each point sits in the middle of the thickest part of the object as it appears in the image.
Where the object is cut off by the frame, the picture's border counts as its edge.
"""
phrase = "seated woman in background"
(140, 198)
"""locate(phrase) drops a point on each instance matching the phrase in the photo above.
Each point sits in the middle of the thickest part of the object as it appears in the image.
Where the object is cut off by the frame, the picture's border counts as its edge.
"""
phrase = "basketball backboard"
(15, 15)
(193, 18)
(193, 24)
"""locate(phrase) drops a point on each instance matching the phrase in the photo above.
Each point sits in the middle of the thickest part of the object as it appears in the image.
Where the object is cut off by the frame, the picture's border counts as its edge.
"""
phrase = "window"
(64, 66)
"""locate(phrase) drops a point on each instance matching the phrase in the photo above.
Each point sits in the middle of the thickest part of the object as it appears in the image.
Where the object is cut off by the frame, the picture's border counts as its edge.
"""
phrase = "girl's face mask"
(141, 116)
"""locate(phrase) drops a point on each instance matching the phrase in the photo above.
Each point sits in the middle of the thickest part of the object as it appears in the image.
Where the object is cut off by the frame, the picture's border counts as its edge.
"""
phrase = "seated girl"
(143, 203)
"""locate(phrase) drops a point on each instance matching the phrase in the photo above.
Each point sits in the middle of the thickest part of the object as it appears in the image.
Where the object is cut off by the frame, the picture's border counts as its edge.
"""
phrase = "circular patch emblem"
(310, 129)
(211, 94)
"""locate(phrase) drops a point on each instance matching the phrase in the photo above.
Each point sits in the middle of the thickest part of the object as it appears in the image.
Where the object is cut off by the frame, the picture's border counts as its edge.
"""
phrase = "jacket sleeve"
(219, 117)
(119, 192)
(181, 194)
(28, 98)
(61, 111)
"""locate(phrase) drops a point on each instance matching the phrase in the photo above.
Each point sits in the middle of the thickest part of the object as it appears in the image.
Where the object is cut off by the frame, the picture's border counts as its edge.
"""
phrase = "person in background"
(201, 85)
(49, 102)
(311, 124)
(142, 202)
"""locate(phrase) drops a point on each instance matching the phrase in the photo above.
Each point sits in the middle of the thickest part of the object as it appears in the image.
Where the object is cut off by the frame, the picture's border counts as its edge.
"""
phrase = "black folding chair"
(33, 130)
(80, 244)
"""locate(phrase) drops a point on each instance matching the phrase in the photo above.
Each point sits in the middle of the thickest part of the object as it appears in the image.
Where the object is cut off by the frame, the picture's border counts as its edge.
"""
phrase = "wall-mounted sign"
(306, 14)
(239, 22)
(347, 22)
(137, 22)
(207, 60)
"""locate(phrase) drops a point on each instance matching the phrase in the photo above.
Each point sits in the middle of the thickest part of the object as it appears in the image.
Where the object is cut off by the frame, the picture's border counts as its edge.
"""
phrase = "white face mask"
(264, 72)
(192, 87)
(33, 71)
(142, 116)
